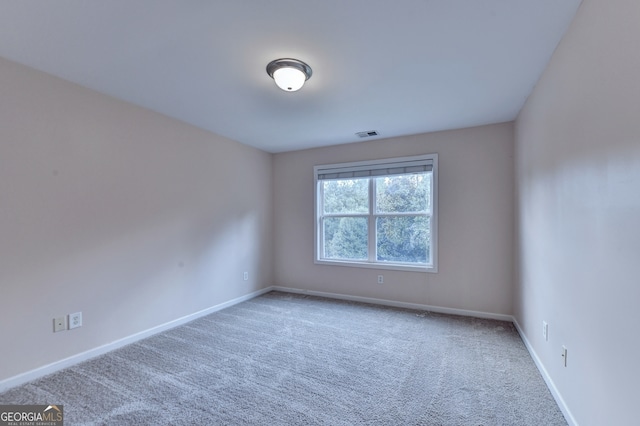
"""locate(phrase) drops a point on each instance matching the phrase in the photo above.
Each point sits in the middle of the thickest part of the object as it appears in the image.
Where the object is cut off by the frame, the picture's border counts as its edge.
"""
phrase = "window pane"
(404, 193)
(346, 196)
(345, 238)
(403, 239)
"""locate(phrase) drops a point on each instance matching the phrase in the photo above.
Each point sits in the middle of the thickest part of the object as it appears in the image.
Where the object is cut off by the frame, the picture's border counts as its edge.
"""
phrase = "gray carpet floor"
(285, 359)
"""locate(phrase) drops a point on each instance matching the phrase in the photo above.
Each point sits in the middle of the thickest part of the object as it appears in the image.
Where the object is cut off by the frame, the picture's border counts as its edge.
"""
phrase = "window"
(379, 214)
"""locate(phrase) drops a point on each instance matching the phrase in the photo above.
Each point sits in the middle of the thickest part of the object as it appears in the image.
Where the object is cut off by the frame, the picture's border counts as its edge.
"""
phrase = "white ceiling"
(399, 67)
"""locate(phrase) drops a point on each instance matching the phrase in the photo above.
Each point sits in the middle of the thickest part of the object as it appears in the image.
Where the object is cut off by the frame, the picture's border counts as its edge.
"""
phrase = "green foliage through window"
(345, 238)
(346, 196)
(396, 209)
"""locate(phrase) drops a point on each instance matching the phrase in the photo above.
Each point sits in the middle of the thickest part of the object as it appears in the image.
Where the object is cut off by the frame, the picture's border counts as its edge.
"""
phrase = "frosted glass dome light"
(289, 74)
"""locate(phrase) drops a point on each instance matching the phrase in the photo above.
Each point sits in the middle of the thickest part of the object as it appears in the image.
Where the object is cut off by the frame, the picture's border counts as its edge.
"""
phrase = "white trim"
(385, 302)
(100, 350)
(543, 371)
(376, 265)
(434, 214)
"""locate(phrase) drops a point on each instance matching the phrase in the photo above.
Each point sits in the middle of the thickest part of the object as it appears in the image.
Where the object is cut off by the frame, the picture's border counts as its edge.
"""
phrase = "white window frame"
(371, 215)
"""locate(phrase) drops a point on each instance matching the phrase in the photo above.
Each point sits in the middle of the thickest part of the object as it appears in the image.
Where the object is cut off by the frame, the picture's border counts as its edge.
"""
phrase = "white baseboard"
(543, 371)
(385, 302)
(92, 353)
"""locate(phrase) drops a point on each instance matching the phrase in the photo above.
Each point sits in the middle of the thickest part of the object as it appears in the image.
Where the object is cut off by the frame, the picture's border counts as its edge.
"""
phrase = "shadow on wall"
(151, 272)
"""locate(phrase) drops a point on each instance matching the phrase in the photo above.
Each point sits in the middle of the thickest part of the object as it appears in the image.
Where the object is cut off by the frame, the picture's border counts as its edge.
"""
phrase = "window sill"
(390, 266)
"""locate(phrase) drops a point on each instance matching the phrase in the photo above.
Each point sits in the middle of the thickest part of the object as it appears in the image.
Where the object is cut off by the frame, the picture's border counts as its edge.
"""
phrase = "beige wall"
(131, 217)
(475, 222)
(578, 168)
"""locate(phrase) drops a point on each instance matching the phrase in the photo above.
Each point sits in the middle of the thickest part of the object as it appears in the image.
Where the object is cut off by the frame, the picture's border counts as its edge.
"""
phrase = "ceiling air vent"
(368, 134)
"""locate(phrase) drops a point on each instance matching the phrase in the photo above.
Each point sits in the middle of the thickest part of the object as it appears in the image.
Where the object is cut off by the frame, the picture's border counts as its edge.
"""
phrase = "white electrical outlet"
(245, 276)
(75, 320)
(545, 331)
(380, 279)
(59, 324)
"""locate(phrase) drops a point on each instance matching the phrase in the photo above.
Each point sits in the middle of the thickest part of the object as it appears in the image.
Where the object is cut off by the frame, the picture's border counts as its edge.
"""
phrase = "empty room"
(419, 212)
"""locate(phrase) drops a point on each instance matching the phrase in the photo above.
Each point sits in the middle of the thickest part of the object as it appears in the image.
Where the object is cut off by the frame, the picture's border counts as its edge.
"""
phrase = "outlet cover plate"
(75, 320)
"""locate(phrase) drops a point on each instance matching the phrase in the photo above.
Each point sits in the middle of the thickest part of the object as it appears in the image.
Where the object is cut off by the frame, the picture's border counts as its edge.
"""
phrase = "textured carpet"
(284, 359)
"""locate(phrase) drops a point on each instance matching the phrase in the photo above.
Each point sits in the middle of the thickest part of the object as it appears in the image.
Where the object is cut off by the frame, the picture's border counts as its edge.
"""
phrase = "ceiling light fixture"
(289, 74)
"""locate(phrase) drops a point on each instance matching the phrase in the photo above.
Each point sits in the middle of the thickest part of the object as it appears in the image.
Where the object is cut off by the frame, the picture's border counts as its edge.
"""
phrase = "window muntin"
(377, 214)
